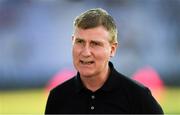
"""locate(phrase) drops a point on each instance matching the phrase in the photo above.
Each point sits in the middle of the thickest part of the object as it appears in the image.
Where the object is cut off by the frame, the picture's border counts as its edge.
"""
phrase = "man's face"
(92, 51)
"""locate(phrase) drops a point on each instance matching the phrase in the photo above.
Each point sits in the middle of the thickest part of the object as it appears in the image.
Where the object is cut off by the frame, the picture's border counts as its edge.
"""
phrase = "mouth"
(86, 62)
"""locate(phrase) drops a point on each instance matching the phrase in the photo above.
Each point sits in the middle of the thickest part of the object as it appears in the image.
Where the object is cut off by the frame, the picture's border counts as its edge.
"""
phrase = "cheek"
(75, 52)
(107, 52)
(103, 55)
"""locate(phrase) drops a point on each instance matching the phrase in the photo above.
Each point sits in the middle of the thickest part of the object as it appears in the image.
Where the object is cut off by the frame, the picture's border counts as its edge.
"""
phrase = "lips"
(86, 62)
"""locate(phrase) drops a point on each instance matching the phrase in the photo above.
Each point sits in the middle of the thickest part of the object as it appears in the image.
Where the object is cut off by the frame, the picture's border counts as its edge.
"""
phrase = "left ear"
(113, 49)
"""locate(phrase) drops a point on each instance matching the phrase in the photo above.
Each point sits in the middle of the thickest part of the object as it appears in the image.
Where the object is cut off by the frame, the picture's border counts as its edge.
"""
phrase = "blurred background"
(35, 48)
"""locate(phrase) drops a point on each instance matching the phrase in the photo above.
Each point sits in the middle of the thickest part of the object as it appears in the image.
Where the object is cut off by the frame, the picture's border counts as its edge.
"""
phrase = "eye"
(95, 43)
(79, 41)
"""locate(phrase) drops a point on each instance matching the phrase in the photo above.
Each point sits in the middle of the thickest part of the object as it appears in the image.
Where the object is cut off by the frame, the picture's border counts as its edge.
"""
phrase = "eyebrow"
(95, 40)
(98, 41)
(77, 38)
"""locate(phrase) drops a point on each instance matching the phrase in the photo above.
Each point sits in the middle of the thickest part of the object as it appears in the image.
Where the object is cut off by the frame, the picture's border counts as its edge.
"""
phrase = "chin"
(86, 73)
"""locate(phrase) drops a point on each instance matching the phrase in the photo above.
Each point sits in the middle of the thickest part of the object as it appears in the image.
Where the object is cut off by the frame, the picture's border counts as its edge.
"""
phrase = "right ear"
(72, 39)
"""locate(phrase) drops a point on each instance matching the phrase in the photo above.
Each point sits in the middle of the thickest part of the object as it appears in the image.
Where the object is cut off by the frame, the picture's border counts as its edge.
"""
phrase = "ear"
(72, 39)
(113, 49)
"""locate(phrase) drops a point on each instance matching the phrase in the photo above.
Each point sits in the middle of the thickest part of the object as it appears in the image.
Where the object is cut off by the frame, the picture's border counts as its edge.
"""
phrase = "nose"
(86, 51)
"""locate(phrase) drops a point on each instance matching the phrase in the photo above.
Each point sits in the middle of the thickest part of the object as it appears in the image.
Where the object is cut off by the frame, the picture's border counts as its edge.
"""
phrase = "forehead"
(92, 33)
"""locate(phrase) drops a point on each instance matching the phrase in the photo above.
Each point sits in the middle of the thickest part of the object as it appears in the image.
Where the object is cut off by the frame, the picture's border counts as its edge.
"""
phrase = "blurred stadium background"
(35, 48)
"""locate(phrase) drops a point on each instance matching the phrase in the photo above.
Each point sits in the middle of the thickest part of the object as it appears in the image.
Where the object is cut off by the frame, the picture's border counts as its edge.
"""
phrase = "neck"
(95, 82)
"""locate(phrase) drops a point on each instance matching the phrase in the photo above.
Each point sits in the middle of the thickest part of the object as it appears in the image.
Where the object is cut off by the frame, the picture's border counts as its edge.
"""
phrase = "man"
(98, 87)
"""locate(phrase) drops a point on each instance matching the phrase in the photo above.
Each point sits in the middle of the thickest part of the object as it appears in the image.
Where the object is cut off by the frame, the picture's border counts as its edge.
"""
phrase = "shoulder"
(64, 87)
(134, 90)
(59, 95)
(139, 95)
(128, 83)
(125, 82)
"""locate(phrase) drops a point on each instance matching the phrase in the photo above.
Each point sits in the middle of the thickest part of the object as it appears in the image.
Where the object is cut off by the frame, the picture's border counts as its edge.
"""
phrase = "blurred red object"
(59, 78)
(149, 77)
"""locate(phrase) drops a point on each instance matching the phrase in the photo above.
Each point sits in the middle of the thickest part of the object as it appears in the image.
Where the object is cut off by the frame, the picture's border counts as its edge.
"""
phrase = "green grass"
(171, 100)
(33, 101)
(23, 101)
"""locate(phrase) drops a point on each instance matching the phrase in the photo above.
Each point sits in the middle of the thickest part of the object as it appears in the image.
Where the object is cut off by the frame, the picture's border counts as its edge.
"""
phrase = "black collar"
(111, 83)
